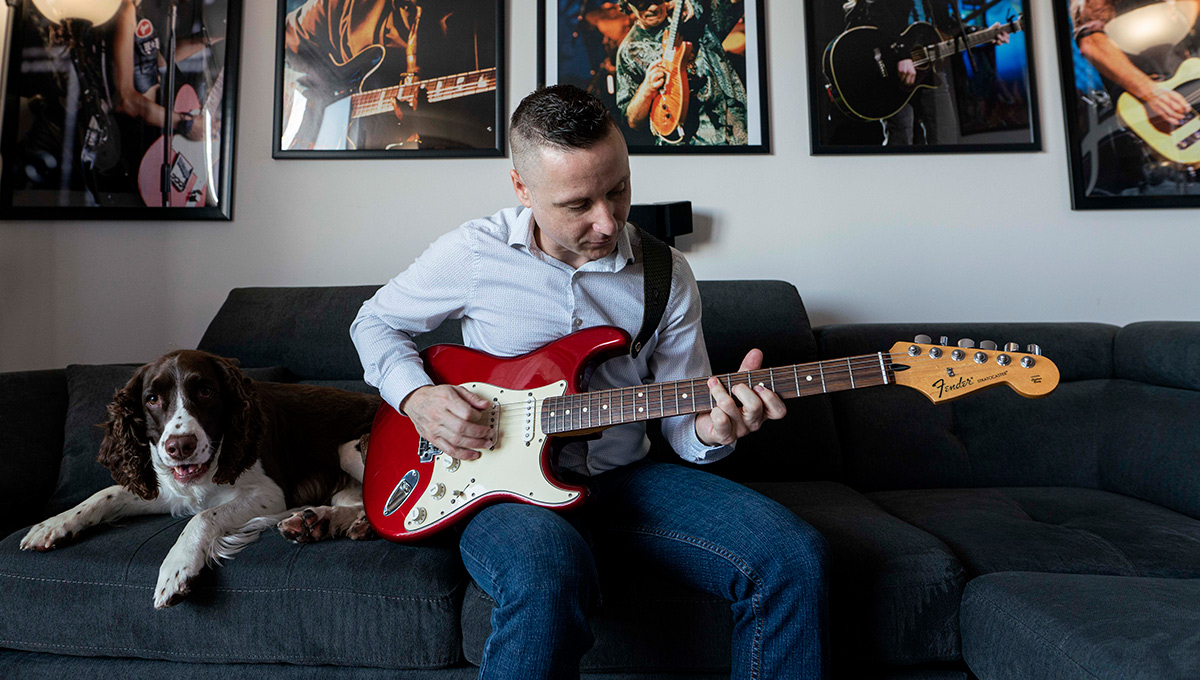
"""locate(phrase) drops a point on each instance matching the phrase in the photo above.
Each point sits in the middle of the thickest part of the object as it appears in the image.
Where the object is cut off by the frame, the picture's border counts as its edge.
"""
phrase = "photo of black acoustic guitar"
(860, 65)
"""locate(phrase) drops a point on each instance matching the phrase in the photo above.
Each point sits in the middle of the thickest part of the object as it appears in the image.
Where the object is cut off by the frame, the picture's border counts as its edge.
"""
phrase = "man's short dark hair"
(561, 116)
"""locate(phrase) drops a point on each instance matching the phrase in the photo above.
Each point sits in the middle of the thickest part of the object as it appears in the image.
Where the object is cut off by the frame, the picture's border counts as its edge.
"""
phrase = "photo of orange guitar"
(412, 490)
(669, 109)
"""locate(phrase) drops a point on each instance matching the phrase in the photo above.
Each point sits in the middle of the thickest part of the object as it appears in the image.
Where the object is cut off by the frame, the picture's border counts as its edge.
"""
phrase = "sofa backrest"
(894, 438)
(1149, 416)
(307, 331)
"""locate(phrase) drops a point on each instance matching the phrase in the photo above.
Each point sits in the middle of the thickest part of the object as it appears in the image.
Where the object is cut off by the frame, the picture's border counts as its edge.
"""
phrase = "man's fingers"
(772, 404)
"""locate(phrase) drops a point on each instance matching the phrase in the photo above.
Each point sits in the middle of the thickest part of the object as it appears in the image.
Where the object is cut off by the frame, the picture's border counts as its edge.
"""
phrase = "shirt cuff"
(402, 381)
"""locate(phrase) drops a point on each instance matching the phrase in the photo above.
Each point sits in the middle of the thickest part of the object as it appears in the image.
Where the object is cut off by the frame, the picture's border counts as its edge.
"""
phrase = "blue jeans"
(707, 532)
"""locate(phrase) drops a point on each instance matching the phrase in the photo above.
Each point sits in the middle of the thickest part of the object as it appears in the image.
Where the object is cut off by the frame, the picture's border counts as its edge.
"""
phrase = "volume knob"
(417, 515)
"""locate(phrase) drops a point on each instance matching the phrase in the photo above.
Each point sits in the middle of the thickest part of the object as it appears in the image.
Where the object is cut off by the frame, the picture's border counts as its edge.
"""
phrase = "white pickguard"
(512, 467)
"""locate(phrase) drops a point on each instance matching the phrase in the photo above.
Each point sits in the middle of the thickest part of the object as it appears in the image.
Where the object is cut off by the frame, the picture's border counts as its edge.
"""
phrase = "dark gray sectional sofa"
(991, 537)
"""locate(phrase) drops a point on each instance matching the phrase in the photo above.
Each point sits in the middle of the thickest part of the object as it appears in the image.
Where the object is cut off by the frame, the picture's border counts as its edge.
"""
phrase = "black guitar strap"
(657, 264)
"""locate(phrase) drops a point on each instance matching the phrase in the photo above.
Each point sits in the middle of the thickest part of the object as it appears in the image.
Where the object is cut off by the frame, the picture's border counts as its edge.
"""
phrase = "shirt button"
(578, 323)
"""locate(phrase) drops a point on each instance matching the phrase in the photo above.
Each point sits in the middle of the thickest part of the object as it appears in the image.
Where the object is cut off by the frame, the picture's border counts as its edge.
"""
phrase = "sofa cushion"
(89, 390)
(1149, 441)
(337, 602)
(1054, 529)
(894, 438)
(645, 623)
(893, 588)
(894, 594)
(1065, 626)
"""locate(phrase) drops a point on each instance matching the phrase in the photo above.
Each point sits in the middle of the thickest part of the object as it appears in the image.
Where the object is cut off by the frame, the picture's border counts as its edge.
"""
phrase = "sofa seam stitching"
(1037, 635)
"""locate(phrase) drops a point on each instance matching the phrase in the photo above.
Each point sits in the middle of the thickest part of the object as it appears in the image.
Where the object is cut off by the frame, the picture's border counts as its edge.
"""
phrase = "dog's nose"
(181, 447)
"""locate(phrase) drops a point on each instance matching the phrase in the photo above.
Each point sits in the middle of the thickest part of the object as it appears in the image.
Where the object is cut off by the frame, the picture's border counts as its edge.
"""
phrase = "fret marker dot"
(568, 411)
(585, 409)
(808, 378)
(639, 394)
(640, 409)
(605, 407)
(685, 395)
(761, 385)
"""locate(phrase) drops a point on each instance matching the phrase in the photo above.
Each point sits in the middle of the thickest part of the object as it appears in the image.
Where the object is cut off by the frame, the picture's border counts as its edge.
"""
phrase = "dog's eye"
(205, 392)
(152, 401)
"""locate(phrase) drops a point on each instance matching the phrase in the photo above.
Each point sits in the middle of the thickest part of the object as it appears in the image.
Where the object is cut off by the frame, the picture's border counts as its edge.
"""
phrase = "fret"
(677, 411)
(662, 410)
(821, 366)
(850, 371)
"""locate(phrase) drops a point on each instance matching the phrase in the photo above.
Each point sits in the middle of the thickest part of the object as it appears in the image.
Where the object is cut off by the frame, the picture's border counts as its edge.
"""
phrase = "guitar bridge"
(426, 451)
(883, 69)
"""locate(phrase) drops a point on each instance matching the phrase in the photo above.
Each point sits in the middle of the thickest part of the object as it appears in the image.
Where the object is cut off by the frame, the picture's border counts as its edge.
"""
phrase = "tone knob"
(923, 339)
(437, 490)
(966, 343)
(417, 515)
(987, 345)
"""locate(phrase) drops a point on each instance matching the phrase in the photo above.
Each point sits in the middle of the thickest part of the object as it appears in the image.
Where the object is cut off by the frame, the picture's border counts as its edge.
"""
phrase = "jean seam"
(729, 556)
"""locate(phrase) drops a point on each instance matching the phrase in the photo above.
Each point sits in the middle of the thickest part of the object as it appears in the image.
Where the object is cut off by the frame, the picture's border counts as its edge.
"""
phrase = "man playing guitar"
(565, 260)
(421, 40)
(1140, 79)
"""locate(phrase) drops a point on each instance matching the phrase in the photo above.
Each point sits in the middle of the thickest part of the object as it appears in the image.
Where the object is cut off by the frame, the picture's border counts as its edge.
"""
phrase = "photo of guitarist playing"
(1138, 75)
(564, 260)
(930, 117)
(717, 102)
(332, 51)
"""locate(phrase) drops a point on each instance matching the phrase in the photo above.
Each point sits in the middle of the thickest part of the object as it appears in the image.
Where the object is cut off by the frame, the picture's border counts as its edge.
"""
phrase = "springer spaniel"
(191, 435)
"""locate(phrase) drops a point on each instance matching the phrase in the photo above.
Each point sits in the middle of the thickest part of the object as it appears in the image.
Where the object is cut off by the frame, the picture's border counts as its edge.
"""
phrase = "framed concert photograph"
(96, 126)
(1130, 88)
(679, 76)
(389, 79)
(921, 76)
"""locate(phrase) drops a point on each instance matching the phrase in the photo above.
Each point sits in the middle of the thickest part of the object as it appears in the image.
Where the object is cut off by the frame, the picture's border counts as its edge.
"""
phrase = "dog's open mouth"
(187, 473)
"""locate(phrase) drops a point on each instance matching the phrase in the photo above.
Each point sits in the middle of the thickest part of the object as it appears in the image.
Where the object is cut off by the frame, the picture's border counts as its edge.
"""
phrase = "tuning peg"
(923, 339)
(1034, 350)
(944, 341)
(987, 345)
(966, 343)
(1012, 347)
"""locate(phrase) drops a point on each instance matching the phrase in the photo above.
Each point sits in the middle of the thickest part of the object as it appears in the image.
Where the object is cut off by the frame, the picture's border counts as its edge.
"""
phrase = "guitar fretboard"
(924, 55)
(374, 102)
(592, 410)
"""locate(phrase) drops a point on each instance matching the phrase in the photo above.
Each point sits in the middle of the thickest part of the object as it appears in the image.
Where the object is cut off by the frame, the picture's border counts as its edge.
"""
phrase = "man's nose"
(606, 222)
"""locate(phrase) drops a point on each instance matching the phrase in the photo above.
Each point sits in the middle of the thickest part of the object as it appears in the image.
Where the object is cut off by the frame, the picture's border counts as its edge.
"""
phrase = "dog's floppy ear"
(125, 450)
(244, 431)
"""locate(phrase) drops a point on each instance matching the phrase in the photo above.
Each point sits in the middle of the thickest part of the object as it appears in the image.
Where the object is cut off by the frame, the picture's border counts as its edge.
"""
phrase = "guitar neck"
(374, 102)
(946, 48)
(590, 411)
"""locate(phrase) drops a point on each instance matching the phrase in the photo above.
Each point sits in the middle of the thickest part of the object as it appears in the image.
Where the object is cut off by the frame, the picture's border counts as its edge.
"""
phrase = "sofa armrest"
(33, 412)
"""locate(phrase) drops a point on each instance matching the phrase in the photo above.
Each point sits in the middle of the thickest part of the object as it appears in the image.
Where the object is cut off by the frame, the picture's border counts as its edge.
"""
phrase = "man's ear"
(521, 189)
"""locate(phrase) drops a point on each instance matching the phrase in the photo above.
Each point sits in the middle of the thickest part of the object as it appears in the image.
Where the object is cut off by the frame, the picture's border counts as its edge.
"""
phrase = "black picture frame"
(466, 120)
(69, 153)
(991, 104)
(1112, 166)
(574, 35)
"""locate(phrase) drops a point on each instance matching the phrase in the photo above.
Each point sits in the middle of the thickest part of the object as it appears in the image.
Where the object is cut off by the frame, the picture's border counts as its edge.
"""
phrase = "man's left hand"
(729, 421)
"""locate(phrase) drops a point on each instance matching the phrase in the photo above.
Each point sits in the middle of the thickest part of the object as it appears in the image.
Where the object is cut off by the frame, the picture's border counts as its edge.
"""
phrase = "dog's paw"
(51, 534)
(361, 530)
(306, 526)
(175, 578)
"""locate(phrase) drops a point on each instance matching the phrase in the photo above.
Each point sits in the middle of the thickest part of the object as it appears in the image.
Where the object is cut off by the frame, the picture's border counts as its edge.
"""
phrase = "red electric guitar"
(411, 489)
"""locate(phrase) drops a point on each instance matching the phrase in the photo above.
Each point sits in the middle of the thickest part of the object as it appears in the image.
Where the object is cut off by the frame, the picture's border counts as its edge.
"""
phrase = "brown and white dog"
(190, 434)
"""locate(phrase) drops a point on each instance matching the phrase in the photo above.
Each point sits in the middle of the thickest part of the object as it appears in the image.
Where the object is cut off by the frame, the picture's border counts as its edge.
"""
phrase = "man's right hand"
(1168, 103)
(907, 71)
(452, 418)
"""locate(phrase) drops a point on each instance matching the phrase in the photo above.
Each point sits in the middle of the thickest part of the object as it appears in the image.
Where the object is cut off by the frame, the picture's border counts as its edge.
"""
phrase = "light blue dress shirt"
(513, 298)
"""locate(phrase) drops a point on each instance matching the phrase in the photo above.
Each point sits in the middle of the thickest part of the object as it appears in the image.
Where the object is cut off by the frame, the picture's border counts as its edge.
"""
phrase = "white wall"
(865, 239)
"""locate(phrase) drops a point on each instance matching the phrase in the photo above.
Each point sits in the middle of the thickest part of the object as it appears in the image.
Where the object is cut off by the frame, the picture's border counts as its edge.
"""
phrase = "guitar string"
(836, 370)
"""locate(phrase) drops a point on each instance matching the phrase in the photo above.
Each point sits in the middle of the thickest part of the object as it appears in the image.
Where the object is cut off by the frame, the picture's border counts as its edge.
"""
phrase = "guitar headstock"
(943, 372)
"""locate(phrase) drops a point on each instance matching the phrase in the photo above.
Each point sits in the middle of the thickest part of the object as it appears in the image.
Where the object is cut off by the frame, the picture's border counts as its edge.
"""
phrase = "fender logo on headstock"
(942, 388)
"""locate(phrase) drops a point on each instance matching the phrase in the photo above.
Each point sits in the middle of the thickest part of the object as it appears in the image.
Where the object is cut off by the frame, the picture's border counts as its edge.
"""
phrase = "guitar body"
(670, 106)
(860, 70)
(190, 171)
(1179, 144)
(412, 490)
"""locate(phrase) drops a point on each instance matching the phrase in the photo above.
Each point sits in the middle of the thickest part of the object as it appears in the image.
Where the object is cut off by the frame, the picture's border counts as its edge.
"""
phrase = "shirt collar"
(521, 236)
